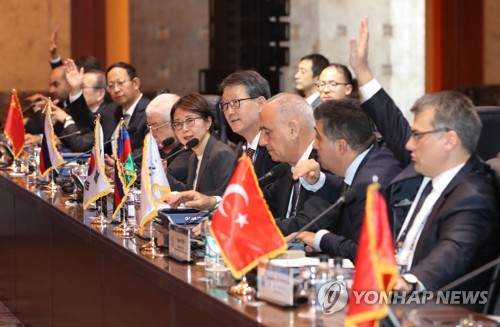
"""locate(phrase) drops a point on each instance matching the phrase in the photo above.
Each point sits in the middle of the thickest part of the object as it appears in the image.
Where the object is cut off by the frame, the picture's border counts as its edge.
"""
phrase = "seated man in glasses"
(442, 204)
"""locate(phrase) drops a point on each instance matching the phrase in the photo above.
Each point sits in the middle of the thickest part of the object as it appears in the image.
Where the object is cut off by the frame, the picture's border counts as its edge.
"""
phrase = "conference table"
(56, 269)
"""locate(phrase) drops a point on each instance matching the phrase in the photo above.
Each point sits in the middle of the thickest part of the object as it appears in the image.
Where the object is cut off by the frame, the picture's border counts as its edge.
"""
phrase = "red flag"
(376, 268)
(243, 226)
(14, 126)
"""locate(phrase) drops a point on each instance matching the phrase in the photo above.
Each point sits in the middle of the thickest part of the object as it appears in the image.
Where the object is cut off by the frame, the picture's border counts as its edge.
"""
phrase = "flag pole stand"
(51, 187)
(100, 220)
(242, 288)
(124, 230)
(150, 249)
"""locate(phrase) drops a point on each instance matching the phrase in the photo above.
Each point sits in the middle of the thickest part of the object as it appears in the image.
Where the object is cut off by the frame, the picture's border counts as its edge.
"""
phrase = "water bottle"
(131, 211)
(82, 170)
(213, 259)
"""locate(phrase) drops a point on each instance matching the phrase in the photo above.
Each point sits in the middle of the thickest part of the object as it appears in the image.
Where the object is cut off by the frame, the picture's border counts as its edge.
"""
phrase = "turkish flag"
(243, 226)
(376, 268)
(14, 126)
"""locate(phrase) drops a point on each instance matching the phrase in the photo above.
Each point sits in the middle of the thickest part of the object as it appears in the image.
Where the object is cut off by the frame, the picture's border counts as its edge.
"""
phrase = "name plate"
(179, 242)
(275, 284)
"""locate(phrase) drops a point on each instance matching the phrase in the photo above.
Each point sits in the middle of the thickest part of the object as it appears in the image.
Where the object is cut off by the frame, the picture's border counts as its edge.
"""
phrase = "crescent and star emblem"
(237, 189)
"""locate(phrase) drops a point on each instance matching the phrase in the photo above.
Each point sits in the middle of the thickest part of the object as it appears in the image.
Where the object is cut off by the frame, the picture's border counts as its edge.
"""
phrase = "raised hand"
(54, 54)
(358, 56)
(73, 76)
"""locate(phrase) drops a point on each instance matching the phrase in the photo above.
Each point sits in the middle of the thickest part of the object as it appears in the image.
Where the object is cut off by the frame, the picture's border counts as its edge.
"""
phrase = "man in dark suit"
(124, 86)
(346, 147)
(243, 95)
(307, 76)
(287, 125)
(59, 91)
(451, 227)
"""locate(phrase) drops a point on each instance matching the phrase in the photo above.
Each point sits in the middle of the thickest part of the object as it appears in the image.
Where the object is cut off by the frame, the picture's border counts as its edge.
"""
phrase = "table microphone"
(69, 135)
(25, 109)
(275, 173)
(166, 142)
(470, 275)
(188, 146)
(345, 198)
(32, 104)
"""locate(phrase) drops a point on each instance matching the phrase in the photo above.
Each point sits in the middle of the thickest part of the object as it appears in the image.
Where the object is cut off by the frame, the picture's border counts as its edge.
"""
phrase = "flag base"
(242, 288)
(51, 187)
(100, 221)
(124, 230)
(150, 249)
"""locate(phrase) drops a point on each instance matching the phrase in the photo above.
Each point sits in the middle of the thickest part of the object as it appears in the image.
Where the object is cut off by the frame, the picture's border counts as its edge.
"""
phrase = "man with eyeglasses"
(243, 95)
(307, 75)
(443, 207)
(124, 87)
(158, 119)
(335, 82)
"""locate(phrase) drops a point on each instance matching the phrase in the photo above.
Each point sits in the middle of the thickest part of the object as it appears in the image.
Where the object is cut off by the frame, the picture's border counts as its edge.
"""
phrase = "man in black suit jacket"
(287, 125)
(123, 84)
(243, 95)
(59, 91)
(455, 230)
(346, 146)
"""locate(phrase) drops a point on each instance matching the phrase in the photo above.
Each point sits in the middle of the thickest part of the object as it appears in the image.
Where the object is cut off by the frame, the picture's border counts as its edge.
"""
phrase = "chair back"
(489, 141)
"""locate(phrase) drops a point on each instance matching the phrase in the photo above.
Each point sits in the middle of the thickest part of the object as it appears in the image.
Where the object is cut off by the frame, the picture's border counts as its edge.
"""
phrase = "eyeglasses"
(119, 84)
(189, 123)
(330, 84)
(155, 127)
(235, 104)
(419, 135)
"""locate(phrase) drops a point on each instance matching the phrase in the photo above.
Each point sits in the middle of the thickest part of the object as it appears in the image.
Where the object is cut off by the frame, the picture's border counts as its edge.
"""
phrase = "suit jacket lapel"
(193, 161)
(205, 159)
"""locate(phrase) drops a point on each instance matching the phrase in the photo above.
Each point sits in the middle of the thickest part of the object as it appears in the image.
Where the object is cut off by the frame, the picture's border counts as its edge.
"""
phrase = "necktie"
(295, 197)
(344, 187)
(250, 152)
(126, 118)
(427, 190)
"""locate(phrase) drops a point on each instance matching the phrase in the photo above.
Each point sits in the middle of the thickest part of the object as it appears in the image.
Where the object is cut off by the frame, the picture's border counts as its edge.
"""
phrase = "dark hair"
(344, 71)
(319, 62)
(100, 82)
(88, 63)
(344, 119)
(195, 103)
(254, 83)
(131, 72)
(455, 111)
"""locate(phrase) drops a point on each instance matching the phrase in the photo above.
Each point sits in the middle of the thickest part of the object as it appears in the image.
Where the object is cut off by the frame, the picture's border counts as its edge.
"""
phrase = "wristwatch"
(412, 280)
